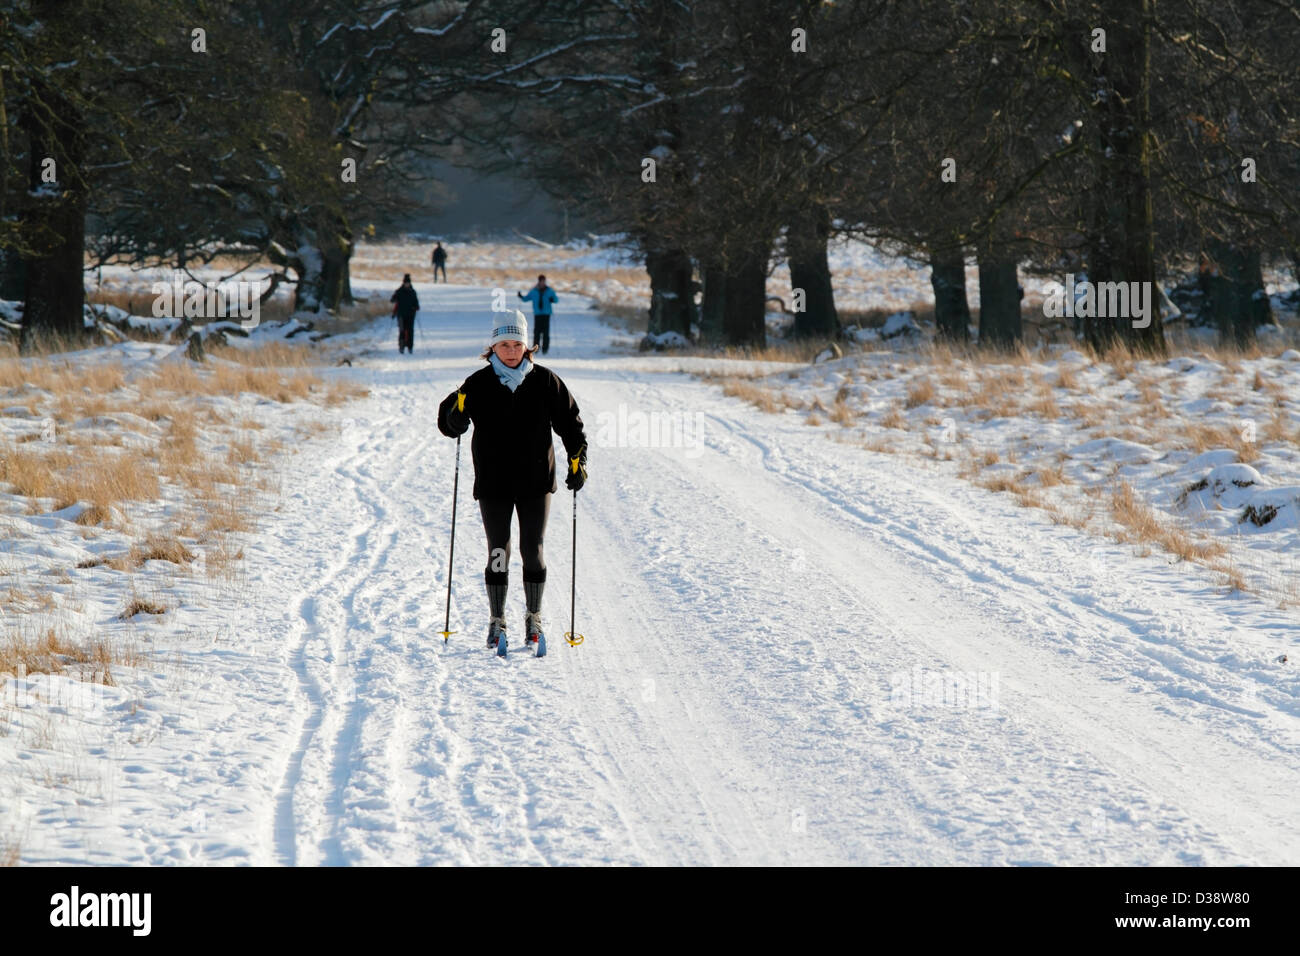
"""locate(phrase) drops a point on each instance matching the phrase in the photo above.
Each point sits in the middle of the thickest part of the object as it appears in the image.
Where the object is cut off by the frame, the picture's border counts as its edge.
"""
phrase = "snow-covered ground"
(797, 651)
(1210, 446)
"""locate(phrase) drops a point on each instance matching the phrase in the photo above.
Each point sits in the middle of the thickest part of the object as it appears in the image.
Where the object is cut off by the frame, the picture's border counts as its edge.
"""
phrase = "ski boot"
(496, 630)
(533, 634)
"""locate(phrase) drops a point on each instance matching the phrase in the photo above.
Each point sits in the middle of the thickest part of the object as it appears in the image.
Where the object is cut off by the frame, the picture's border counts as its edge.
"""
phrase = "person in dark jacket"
(542, 297)
(405, 304)
(514, 406)
(439, 262)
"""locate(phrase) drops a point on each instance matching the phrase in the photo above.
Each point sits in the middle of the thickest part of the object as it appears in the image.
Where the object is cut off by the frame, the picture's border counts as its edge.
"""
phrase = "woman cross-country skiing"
(514, 406)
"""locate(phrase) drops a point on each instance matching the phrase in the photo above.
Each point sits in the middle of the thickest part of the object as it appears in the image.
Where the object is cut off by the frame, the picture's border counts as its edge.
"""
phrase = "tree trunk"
(713, 304)
(672, 299)
(1000, 296)
(345, 282)
(810, 271)
(1124, 244)
(1237, 297)
(744, 314)
(951, 310)
(55, 227)
(334, 259)
(322, 265)
(13, 285)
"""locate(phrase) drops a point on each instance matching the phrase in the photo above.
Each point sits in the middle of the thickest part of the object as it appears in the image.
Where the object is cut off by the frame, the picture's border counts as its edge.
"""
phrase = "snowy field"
(1197, 455)
(798, 650)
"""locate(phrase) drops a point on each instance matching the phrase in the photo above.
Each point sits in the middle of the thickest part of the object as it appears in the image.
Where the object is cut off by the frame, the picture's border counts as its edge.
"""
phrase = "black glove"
(577, 471)
(457, 420)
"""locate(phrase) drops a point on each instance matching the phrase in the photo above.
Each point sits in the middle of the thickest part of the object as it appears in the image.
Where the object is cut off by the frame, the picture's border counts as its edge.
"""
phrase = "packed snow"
(798, 650)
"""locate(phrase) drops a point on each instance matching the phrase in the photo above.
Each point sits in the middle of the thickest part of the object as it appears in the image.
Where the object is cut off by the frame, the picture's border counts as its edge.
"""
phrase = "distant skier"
(514, 405)
(439, 262)
(542, 297)
(405, 304)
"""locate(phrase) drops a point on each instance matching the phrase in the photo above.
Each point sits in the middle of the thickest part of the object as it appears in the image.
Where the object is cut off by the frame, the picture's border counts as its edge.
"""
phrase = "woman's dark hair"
(528, 353)
(406, 278)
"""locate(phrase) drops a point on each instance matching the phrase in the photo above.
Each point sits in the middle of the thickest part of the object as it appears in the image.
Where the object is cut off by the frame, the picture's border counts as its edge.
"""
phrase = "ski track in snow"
(749, 605)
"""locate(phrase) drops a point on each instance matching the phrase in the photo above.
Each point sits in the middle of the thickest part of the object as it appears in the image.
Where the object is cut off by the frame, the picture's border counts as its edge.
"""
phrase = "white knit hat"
(509, 328)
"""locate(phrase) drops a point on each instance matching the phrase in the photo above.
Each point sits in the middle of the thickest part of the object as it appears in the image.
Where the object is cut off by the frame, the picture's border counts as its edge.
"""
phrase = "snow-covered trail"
(756, 606)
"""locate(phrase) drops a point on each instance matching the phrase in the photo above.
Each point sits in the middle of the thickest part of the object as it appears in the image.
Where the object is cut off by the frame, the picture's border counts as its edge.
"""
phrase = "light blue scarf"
(511, 378)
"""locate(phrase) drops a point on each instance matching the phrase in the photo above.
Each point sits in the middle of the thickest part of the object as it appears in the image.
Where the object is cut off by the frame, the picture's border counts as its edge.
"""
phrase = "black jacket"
(514, 455)
(408, 303)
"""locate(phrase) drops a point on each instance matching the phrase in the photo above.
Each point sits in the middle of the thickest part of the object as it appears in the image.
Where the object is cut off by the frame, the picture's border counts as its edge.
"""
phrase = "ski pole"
(572, 635)
(455, 487)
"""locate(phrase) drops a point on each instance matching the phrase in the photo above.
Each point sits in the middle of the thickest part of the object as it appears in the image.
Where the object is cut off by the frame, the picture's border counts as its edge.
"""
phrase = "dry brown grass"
(15, 600)
(1280, 428)
(242, 451)
(161, 547)
(894, 418)
(1202, 437)
(226, 514)
(34, 471)
(138, 605)
(107, 478)
(100, 477)
(211, 461)
(271, 383)
(61, 376)
(338, 393)
(953, 377)
(841, 413)
(183, 378)
(272, 355)
(1090, 414)
(51, 653)
(181, 459)
(919, 391)
(879, 443)
(1066, 377)
(1121, 360)
(757, 395)
(10, 852)
(1044, 404)
(1029, 498)
(1143, 526)
(997, 391)
(1050, 476)
(1004, 481)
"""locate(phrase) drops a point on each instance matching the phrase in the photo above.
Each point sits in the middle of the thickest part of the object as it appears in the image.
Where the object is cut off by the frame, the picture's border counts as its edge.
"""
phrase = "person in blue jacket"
(542, 297)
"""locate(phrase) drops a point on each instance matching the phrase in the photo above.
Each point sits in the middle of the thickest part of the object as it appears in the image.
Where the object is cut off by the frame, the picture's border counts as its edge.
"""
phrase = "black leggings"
(497, 514)
(542, 331)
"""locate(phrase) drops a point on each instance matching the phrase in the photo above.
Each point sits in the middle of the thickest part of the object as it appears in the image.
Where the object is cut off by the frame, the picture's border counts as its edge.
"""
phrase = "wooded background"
(1128, 140)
